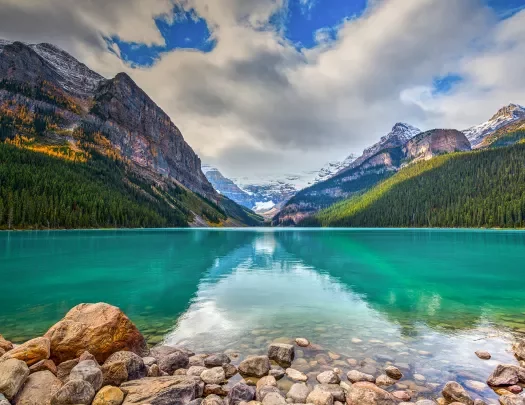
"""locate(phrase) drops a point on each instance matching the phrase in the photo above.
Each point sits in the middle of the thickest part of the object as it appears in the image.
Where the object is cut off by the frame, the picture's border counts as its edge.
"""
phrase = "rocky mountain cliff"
(227, 187)
(435, 142)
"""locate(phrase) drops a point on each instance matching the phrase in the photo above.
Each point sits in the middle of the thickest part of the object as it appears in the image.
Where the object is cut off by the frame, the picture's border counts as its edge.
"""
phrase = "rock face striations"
(435, 142)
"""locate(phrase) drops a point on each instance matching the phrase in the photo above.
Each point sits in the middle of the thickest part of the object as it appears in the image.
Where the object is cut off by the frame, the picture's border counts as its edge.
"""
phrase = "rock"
(263, 391)
(519, 349)
(295, 375)
(419, 378)
(328, 377)
(302, 342)
(3, 400)
(393, 372)
(215, 389)
(196, 360)
(197, 401)
(149, 361)
(101, 329)
(256, 366)
(298, 392)
(74, 392)
(274, 398)
(13, 374)
(44, 365)
(134, 364)
(212, 400)
(335, 389)
(175, 390)
(453, 392)
(402, 395)
(278, 373)
(345, 386)
(154, 371)
(267, 381)
(229, 370)
(213, 375)
(65, 368)
(506, 374)
(87, 370)
(173, 361)
(365, 393)
(87, 356)
(479, 402)
(31, 351)
(5, 345)
(384, 381)
(195, 370)
(512, 399)
(109, 395)
(515, 389)
(114, 373)
(240, 392)
(180, 371)
(476, 385)
(281, 353)
(319, 397)
(425, 402)
(216, 360)
(38, 389)
(483, 355)
(357, 376)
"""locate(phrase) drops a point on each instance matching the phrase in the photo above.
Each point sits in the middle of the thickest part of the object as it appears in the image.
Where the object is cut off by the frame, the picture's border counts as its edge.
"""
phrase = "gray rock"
(38, 389)
(295, 375)
(134, 364)
(454, 392)
(175, 390)
(162, 351)
(278, 373)
(335, 389)
(216, 360)
(3, 400)
(512, 399)
(263, 391)
(281, 353)
(318, 397)
(357, 376)
(274, 398)
(13, 374)
(366, 393)
(483, 355)
(213, 375)
(78, 392)
(328, 377)
(195, 370)
(256, 366)
(393, 372)
(266, 381)
(212, 400)
(149, 361)
(229, 370)
(216, 389)
(298, 393)
(384, 381)
(240, 392)
(87, 370)
(173, 361)
(64, 368)
(506, 374)
(197, 360)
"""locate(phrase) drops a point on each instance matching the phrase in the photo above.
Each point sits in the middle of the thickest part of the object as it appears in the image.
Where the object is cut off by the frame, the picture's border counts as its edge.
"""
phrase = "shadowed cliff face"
(132, 122)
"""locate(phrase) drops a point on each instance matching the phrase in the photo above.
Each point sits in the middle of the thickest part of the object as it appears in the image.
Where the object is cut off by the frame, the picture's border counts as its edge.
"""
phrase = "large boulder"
(13, 374)
(31, 351)
(298, 393)
(176, 390)
(454, 392)
(281, 353)
(240, 392)
(74, 392)
(255, 366)
(89, 371)
(38, 389)
(101, 329)
(365, 393)
(109, 395)
(133, 363)
(506, 374)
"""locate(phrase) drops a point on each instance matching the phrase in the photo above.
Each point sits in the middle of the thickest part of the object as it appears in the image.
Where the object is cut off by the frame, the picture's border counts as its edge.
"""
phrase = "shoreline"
(95, 350)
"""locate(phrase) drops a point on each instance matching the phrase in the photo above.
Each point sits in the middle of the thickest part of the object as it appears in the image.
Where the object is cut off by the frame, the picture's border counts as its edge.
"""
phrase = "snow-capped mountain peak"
(505, 115)
(403, 132)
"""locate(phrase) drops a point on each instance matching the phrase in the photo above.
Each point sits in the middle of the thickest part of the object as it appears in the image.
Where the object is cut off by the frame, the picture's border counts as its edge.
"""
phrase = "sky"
(273, 87)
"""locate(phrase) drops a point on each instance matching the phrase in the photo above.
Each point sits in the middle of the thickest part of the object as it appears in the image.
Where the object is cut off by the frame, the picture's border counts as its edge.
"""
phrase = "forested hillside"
(484, 188)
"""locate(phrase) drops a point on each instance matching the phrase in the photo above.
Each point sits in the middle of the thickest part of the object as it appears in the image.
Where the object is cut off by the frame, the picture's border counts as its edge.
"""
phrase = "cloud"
(256, 102)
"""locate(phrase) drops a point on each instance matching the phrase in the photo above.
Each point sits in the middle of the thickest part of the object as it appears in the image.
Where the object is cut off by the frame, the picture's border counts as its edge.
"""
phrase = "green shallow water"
(423, 298)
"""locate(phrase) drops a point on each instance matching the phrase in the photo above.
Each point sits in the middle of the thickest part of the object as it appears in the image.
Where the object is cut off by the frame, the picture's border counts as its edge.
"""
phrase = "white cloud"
(255, 103)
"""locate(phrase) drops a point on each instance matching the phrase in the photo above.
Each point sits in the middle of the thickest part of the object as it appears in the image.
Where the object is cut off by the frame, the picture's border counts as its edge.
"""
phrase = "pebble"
(296, 375)
(483, 355)
(302, 342)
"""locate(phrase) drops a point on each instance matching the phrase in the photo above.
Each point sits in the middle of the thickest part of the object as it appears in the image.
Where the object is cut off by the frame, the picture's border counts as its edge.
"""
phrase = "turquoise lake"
(424, 299)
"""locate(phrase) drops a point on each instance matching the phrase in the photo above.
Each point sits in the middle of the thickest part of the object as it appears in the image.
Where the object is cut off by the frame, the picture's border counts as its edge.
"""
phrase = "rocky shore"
(96, 355)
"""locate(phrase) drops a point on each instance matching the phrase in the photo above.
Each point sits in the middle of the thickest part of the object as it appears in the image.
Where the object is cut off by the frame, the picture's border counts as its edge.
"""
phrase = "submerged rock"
(483, 355)
(13, 374)
(393, 372)
(355, 376)
(384, 381)
(296, 375)
(302, 342)
(454, 392)
(101, 329)
(278, 373)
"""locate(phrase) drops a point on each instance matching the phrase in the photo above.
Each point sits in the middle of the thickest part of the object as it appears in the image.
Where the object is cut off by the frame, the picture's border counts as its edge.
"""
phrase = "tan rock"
(77, 392)
(101, 329)
(114, 373)
(319, 397)
(109, 395)
(63, 369)
(13, 374)
(454, 392)
(172, 389)
(6, 345)
(43, 365)
(31, 351)
(38, 389)
(365, 393)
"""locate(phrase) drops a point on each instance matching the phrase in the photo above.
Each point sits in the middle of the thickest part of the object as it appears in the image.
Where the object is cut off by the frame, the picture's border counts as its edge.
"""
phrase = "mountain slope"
(51, 103)
(470, 189)
(227, 187)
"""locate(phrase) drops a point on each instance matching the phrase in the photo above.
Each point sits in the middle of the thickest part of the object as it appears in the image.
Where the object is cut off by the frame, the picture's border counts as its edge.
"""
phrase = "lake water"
(422, 299)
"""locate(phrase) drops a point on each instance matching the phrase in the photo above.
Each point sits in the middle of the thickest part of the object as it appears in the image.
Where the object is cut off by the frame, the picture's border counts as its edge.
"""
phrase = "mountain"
(482, 188)
(51, 103)
(375, 164)
(332, 168)
(227, 187)
(436, 142)
(507, 115)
